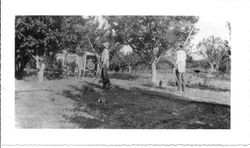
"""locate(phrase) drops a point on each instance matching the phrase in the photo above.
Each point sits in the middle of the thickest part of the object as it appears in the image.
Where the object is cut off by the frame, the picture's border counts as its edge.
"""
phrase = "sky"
(211, 25)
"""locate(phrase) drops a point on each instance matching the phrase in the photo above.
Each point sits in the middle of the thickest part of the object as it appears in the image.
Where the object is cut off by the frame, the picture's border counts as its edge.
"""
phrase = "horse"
(69, 62)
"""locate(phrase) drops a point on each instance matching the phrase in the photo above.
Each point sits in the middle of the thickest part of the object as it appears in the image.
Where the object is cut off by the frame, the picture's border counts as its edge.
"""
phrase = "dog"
(105, 83)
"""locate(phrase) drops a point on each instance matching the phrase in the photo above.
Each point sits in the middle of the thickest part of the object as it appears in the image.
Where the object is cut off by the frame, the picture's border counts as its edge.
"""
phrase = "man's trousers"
(180, 80)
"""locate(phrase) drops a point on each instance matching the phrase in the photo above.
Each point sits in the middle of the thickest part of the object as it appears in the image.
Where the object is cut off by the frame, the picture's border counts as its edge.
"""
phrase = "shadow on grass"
(142, 109)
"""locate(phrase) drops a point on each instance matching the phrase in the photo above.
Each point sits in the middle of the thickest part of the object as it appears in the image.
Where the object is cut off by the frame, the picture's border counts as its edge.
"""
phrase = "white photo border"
(238, 135)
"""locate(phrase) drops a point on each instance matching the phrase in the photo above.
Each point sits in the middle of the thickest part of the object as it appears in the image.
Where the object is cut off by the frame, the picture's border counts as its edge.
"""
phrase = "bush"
(225, 66)
(199, 64)
(163, 66)
(123, 76)
(142, 67)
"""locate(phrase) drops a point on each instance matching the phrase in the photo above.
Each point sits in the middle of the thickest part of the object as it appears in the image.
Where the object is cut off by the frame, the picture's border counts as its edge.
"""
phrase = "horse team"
(71, 64)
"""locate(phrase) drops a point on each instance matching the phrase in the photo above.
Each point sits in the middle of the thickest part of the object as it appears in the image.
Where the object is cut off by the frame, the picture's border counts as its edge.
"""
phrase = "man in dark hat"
(105, 66)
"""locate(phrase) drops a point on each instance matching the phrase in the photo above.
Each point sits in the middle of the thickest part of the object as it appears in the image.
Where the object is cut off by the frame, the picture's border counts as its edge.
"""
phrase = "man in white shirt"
(105, 65)
(180, 68)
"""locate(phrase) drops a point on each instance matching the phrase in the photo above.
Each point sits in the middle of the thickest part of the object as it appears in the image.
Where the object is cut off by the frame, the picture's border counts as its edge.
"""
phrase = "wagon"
(88, 64)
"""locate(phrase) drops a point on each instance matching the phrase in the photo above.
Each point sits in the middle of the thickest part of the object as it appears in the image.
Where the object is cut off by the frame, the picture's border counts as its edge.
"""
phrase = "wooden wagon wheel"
(91, 65)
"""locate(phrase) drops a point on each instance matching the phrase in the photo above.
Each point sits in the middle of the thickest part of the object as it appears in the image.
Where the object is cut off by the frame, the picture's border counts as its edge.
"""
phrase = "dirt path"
(42, 106)
(74, 104)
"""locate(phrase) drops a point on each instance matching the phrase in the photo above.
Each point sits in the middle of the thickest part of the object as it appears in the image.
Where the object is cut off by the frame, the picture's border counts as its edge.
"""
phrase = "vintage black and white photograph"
(122, 72)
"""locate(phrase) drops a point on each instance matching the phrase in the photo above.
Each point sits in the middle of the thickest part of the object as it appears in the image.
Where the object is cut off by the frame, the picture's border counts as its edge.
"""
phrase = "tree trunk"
(129, 68)
(41, 72)
(20, 71)
(19, 74)
(212, 67)
(37, 63)
(153, 72)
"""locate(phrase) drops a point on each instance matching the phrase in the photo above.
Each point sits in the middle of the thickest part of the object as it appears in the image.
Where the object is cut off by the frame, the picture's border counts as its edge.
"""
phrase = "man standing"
(180, 68)
(105, 65)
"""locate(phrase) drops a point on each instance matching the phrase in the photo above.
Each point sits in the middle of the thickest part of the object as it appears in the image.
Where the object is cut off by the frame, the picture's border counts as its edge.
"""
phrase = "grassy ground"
(130, 104)
(214, 91)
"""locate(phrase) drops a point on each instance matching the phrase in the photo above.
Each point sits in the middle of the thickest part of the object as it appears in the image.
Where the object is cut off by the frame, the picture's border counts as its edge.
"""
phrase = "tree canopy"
(47, 35)
(214, 49)
(151, 36)
(148, 36)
